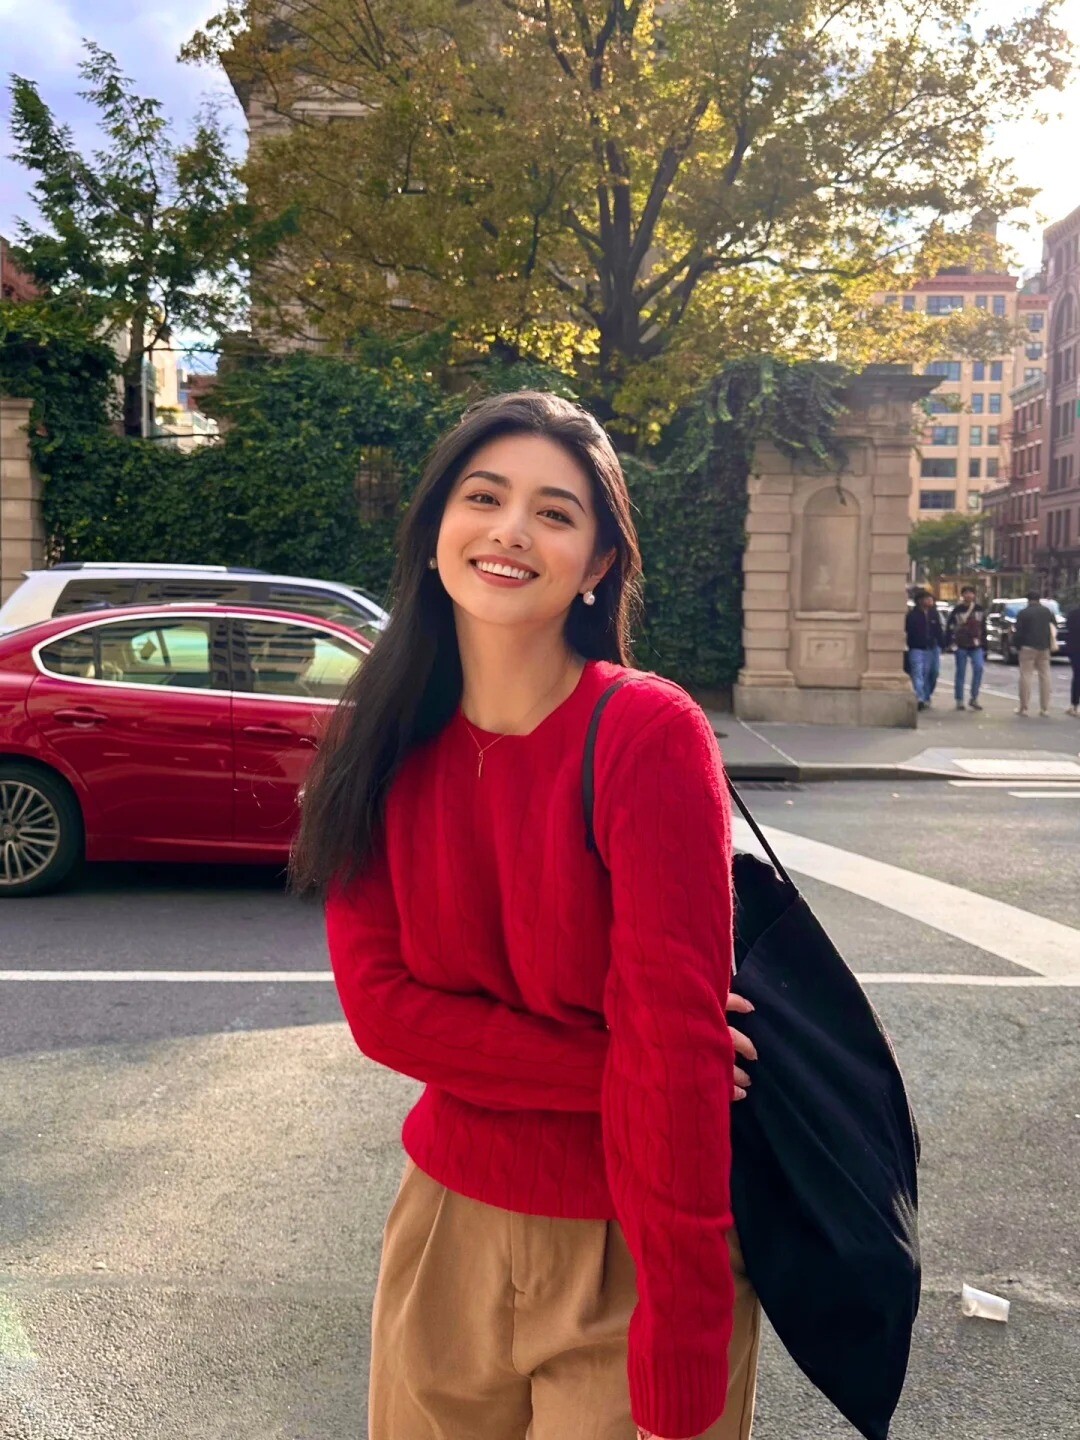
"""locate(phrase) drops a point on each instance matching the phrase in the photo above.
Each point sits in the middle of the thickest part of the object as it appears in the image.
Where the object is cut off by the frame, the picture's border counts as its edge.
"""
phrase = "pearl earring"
(589, 598)
(433, 564)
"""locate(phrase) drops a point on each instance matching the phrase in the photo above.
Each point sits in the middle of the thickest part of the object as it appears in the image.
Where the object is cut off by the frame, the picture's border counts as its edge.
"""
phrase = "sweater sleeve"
(473, 1046)
(665, 835)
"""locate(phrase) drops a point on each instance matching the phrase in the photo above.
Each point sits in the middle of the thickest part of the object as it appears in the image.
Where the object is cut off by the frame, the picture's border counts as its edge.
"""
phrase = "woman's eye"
(485, 495)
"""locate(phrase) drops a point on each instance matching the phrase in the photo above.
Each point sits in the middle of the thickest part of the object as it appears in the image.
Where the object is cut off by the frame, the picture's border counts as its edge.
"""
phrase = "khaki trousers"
(1034, 660)
(489, 1325)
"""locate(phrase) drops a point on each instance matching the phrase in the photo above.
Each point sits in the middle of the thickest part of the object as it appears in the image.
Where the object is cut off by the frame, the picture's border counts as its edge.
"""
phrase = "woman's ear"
(601, 568)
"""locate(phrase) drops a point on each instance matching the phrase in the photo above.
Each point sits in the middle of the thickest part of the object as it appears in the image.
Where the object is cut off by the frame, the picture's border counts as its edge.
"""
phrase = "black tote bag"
(824, 1148)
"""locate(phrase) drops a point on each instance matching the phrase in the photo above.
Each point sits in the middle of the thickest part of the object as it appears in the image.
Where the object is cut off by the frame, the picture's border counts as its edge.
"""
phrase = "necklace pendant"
(480, 765)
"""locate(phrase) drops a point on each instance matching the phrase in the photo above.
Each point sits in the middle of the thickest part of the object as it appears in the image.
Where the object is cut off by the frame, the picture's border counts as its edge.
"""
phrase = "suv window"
(168, 652)
(93, 594)
(288, 659)
(165, 592)
(325, 605)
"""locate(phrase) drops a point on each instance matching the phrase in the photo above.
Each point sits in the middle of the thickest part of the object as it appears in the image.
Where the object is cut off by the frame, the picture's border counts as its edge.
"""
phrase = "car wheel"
(41, 831)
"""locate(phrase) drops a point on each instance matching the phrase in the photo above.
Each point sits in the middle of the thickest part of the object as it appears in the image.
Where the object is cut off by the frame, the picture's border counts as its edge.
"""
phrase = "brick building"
(1058, 554)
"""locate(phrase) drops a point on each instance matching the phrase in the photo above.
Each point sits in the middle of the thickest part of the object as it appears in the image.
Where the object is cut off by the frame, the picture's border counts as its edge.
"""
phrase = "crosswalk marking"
(1040, 946)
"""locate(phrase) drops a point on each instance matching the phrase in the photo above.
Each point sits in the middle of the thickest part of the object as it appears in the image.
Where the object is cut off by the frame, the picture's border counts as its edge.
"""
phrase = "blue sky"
(42, 40)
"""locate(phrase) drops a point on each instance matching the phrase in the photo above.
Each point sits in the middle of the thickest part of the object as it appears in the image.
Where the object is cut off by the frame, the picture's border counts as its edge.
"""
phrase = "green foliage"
(152, 235)
(944, 546)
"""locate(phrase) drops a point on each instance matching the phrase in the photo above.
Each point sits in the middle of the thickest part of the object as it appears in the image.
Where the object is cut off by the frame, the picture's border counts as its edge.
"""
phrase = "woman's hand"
(744, 1046)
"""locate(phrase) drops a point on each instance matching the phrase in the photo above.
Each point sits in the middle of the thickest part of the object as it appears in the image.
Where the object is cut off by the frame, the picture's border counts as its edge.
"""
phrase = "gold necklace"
(482, 750)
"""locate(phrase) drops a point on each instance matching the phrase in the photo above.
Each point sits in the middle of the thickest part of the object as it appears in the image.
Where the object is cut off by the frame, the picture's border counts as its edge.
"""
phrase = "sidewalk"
(995, 744)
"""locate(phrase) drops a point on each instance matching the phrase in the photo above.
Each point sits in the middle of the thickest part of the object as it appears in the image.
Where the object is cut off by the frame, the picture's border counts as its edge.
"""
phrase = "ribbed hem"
(677, 1396)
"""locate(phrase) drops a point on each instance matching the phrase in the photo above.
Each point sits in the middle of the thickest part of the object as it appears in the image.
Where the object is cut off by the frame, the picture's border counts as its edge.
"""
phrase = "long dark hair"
(410, 684)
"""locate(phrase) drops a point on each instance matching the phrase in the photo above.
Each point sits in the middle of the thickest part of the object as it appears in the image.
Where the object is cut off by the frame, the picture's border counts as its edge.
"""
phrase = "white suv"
(78, 585)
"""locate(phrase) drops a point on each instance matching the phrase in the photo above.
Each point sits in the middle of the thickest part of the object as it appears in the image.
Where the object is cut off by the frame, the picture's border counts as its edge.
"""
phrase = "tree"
(634, 186)
(146, 236)
(943, 546)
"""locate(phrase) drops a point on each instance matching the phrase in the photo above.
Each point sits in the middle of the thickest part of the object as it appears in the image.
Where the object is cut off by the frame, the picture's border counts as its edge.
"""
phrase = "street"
(196, 1173)
(1002, 679)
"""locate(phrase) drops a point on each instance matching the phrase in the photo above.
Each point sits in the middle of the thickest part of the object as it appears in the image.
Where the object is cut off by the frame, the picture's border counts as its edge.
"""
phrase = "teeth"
(507, 570)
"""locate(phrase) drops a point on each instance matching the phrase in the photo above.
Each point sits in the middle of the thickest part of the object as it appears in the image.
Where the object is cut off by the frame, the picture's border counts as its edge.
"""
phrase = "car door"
(289, 676)
(139, 709)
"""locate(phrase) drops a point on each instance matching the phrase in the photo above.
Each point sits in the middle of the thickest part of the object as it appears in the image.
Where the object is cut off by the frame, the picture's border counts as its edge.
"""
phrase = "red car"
(164, 732)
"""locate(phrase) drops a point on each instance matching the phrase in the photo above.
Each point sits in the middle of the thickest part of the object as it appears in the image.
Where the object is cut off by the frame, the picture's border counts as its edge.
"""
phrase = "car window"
(296, 660)
(167, 652)
(93, 594)
(166, 592)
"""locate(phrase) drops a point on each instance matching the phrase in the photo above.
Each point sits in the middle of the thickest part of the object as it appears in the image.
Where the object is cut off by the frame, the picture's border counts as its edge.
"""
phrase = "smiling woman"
(554, 1003)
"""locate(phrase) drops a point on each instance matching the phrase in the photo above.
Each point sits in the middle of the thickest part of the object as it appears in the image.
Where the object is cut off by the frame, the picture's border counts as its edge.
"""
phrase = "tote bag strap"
(588, 788)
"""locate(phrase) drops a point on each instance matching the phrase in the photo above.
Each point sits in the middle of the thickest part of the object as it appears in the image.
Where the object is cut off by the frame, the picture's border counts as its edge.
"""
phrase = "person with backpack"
(966, 632)
(560, 1253)
(925, 636)
(1035, 643)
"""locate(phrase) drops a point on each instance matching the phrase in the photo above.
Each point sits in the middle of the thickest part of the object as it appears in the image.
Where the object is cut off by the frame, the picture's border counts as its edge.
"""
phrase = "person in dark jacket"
(1072, 649)
(966, 631)
(925, 636)
(1034, 633)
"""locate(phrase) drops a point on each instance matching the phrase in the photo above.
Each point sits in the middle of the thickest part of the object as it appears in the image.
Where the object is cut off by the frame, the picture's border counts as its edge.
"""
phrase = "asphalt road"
(194, 1177)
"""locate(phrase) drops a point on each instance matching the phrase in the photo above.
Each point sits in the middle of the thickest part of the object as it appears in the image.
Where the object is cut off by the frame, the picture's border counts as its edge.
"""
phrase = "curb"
(810, 774)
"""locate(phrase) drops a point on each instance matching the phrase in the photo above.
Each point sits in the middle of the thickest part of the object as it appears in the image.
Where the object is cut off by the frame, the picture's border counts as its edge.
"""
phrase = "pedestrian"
(1072, 649)
(560, 1258)
(925, 635)
(966, 631)
(1034, 636)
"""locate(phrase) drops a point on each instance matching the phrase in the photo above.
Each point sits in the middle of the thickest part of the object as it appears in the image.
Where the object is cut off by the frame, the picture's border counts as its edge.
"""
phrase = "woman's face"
(522, 502)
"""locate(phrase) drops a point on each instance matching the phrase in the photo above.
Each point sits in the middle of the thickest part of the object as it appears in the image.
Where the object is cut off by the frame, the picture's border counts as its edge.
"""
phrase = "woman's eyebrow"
(552, 490)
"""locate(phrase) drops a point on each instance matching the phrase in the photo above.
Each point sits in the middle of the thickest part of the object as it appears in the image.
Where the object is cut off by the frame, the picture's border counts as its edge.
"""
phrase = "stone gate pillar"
(826, 566)
(22, 533)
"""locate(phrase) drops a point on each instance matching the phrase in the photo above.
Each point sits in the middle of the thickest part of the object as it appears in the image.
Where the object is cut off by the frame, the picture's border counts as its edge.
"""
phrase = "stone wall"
(826, 567)
(22, 533)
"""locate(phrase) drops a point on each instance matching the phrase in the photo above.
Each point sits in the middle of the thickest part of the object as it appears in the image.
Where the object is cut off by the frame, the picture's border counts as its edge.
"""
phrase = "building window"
(999, 305)
(947, 369)
(1032, 373)
(975, 436)
(978, 370)
(995, 403)
(1036, 322)
(996, 369)
(938, 469)
(943, 304)
(907, 302)
(993, 435)
(945, 435)
(992, 469)
(937, 499)
(974, 469)
(1034, 352)
(890, 299)
(980, 302)
(977, 403)
(1037, 462)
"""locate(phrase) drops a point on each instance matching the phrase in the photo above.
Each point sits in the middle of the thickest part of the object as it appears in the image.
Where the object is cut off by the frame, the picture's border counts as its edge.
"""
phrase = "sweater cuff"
(677, 1396)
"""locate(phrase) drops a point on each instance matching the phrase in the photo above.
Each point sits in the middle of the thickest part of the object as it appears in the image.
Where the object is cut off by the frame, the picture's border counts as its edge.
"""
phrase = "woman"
(559, 1260)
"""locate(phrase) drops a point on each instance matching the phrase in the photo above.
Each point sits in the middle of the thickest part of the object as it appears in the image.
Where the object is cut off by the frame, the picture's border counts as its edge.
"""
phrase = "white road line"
(176, 977)
(1021, 982)
(1045, 794)
(1044, 947)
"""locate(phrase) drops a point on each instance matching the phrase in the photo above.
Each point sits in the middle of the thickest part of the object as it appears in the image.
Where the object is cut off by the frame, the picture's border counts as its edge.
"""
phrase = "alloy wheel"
(29, 832)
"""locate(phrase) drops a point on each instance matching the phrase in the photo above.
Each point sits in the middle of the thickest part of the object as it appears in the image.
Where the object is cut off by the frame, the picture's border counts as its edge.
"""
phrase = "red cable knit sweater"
(485, 951)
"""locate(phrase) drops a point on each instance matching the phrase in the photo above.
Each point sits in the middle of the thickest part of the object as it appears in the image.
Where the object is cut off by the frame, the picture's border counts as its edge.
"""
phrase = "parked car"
(167, 732)
(1001, 627)
(78, 586)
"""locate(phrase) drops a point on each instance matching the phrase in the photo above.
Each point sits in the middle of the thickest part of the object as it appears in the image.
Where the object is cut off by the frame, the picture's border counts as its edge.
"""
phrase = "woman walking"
(559, 1260)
